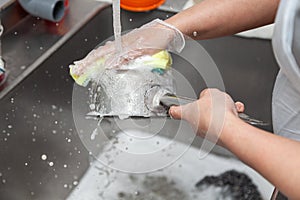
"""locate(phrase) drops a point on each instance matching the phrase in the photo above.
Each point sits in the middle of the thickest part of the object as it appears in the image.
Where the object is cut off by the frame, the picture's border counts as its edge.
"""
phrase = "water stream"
(117, 26)
(1, 31)
(2, 70)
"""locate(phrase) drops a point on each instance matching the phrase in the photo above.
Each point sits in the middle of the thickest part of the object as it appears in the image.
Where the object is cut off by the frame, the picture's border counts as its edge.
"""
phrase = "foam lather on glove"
(157, 63)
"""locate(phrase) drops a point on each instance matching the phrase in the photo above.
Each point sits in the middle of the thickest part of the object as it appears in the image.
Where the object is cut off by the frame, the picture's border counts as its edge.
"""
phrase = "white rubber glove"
(148, 39)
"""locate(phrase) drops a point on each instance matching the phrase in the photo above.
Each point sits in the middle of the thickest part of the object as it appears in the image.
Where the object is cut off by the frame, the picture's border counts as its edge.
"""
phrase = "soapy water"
(122, 92)
(136, 142)
(154, 187)
(188, 179)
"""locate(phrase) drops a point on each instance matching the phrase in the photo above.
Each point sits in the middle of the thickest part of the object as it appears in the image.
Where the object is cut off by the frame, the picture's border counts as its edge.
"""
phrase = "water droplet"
(92, 106)
(69, 140)
(54, 131)
(51, 164)
(65, 165)
(15, 33)
(195, 33)
(130, 20)
(3, 181)
(33, 139)
(23, 67)
(9, 126)
(44, 157)
(54, 107)
(26, 164)
(75, 182)
(65, 185)
(94, 134)
(85, 39)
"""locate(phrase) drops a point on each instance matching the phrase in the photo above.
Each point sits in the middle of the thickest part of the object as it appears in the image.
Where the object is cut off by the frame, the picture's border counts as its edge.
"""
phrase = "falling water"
(117, 26)
(1, 31)
(2, 70)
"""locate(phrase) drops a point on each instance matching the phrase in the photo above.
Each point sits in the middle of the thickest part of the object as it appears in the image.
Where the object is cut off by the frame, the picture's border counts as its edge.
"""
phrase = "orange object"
(140, 5)
(66, 3)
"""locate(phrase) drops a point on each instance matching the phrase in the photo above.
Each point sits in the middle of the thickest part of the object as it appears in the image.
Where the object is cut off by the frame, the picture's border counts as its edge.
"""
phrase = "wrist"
(174, 36)
(230, 130)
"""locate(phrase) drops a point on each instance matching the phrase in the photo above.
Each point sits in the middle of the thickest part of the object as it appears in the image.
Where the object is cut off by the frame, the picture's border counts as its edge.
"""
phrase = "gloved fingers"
(116, 61)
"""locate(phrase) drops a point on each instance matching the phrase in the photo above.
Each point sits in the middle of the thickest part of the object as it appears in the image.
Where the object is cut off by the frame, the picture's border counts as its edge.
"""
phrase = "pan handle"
(169, 100)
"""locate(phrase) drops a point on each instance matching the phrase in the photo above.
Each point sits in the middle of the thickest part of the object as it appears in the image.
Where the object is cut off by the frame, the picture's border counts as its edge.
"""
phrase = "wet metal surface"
(26, 45)
(36, 116)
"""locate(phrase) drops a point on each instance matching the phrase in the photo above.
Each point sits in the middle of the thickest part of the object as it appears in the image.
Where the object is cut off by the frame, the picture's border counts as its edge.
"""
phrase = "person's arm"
(274, 157)
(215, 18)
(209, 19)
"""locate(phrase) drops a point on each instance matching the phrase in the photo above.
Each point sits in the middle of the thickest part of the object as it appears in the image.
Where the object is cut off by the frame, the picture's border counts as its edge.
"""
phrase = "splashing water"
(95, 132)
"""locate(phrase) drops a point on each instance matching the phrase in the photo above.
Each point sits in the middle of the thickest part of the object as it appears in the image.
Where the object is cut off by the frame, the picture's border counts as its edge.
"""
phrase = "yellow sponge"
(161, 60)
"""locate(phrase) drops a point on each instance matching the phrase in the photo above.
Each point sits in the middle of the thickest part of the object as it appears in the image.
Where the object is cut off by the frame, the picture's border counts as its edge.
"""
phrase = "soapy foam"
(122, 92)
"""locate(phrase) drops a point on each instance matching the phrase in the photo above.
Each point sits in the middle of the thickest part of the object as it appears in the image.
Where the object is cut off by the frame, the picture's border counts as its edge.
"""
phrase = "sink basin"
(174, 182)
(42, 155)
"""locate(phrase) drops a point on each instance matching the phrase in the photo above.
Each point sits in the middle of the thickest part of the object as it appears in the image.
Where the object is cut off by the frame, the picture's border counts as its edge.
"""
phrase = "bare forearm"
(275, 157)
(215, 18)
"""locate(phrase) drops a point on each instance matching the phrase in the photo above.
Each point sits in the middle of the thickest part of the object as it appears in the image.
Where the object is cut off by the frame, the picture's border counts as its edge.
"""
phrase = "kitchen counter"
(41, 154)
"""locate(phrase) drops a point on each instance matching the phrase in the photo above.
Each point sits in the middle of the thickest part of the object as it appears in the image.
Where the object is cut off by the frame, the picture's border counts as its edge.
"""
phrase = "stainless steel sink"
(36, 115)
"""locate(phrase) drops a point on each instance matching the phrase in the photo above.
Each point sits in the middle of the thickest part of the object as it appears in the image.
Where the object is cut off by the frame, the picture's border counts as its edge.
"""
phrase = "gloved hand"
(148, 39)
(210, 113)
